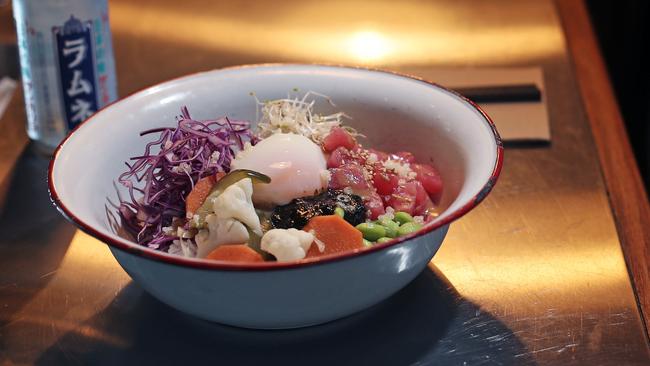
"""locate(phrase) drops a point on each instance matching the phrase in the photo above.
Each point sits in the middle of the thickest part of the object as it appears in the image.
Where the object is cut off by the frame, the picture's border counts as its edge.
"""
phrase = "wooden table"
(536, 275)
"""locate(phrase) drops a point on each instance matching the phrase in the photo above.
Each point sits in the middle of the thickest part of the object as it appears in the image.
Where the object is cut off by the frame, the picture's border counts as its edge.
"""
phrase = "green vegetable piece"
(390, 226)
(403, 217)
(339, 211)
(383, 240)
(371, 231)
(408, 228)
(367, 243)
(223, 183)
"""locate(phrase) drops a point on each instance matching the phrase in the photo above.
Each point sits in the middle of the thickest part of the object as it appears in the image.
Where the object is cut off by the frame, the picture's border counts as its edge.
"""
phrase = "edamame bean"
(403, 217)
(408, 228)
(391, 227)
(367, 243)
(339, 212)
(371, 231)
(383, 240)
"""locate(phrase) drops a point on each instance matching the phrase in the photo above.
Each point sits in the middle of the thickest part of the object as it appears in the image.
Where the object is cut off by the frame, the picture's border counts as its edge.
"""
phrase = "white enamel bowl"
(395, 112)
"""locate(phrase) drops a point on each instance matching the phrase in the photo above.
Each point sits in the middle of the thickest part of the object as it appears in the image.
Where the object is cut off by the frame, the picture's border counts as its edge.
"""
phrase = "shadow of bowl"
(425, 323)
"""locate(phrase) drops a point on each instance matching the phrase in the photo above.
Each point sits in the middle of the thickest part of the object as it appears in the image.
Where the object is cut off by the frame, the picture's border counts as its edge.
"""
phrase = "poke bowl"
(277, 196)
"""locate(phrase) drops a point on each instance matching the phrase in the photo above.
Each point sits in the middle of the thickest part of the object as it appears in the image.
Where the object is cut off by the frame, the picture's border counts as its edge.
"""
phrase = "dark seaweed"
(297, 213)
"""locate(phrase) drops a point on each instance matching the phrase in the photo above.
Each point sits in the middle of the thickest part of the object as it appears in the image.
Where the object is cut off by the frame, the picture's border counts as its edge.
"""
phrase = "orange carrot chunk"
(235, 253)
(337, 235)
(198, 194)
(219, 175)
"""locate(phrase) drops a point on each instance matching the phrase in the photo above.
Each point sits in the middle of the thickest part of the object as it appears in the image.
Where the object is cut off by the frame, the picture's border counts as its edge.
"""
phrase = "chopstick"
(502, 93)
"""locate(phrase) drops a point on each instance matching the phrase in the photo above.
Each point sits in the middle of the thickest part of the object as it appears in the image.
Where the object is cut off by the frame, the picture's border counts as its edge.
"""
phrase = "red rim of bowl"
(152, 254)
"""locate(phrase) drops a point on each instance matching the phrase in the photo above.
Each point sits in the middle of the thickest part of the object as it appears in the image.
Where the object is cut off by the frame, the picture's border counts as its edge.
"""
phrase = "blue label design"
(75, 57)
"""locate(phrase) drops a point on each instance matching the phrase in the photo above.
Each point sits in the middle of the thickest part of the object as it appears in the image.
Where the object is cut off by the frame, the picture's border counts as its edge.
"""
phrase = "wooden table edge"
(625, 189)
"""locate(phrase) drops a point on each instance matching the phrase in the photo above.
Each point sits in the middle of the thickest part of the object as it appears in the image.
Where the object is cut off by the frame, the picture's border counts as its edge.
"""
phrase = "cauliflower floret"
(233, 213)
(236, 203)
(287, 244)
(220, 231)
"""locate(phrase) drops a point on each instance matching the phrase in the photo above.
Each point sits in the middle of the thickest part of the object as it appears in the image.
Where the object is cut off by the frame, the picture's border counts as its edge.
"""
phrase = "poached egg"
(296, 166)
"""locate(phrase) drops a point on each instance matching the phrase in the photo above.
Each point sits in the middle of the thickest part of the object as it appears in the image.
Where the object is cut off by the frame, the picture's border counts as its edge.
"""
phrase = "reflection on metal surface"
(52, 278)
(87, 268)
(344, 31)
(580, 255)
(89, 253)
(368, 46)
(539, 273)
(65, 328)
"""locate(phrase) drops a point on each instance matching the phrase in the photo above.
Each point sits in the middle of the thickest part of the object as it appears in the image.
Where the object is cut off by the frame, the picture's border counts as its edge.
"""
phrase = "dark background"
(622, 30)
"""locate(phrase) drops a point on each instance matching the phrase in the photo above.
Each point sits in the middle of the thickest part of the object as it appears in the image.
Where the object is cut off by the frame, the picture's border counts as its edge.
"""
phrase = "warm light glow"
(368, 46)
(87, 268)
(537, 278)
(411, 33)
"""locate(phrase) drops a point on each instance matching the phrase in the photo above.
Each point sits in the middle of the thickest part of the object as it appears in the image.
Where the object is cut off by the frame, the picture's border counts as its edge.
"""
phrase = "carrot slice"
(337, 235)
(219, 175)
(200, 192)
(235, 253)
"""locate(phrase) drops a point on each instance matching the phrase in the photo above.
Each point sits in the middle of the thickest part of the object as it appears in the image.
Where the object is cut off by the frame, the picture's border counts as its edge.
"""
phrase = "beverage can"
(67, 65)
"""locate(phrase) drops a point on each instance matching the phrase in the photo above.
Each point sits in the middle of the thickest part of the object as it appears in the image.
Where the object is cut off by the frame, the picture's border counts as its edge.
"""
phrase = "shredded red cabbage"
(169, 167)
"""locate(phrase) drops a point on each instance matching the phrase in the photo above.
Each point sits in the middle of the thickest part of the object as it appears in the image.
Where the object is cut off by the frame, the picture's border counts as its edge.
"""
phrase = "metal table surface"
(535, 275)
